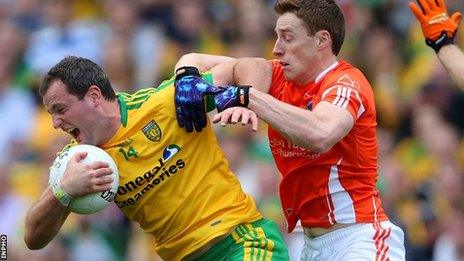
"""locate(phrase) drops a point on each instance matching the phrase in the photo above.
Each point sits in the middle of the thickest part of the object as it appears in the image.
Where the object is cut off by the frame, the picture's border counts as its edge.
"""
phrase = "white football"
(94, 202)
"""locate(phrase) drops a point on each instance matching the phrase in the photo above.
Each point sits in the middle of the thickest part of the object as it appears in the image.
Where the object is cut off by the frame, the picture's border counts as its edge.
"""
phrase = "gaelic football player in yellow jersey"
(195, 208)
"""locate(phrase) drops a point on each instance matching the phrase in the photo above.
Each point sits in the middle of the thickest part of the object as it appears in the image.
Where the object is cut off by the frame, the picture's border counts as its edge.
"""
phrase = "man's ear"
(94, 94)
(323, 39)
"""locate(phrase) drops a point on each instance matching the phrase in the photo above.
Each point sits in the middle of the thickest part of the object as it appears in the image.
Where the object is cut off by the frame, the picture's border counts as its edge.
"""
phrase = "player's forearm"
(297, 125)
(203, 62)
(43, 221)
(453, 59)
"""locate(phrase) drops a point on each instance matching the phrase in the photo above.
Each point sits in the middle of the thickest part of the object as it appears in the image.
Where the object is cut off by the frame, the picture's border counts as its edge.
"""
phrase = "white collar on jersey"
(323, 73)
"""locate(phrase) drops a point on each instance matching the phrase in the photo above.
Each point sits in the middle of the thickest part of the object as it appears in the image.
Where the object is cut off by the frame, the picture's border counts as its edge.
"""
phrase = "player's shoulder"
(139, 94)
(136, 106)
(138, 99)
(353, 71)
(347, 75)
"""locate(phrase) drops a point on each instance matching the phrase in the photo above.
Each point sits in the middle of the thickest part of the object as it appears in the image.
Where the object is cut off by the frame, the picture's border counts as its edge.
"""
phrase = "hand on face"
(81, 179)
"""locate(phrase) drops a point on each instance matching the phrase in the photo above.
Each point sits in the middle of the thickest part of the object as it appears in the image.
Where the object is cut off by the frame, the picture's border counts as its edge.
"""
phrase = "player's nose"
(57, 121)
(278, 49)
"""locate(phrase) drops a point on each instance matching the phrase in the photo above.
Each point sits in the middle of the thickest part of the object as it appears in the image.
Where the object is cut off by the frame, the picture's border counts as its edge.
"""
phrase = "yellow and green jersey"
(176, 185)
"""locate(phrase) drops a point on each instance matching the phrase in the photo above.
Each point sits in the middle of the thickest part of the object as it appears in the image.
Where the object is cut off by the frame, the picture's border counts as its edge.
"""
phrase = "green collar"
(123, 110)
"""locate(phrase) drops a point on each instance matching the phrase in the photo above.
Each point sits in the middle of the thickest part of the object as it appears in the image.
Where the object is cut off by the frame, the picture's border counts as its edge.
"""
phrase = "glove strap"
(186, 70)
(243, 95)
(441, 41)
(231, 97)
(63, 197)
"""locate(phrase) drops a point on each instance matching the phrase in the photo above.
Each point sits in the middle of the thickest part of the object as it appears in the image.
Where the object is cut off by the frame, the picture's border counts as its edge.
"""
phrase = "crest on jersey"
(152, 131)
(347, 81)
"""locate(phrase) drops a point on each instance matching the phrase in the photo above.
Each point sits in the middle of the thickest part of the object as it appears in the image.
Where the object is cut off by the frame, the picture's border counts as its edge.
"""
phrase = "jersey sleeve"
(347, 91)
(210, 105)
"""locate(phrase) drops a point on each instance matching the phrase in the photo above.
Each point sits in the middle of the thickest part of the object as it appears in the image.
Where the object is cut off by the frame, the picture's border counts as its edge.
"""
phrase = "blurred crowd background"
(137, 42)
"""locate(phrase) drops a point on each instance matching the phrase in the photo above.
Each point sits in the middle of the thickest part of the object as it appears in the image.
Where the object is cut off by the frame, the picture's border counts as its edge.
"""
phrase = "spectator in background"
(439, 30)
(61, 36)
(141, 45)
(190, 28)
(13, 208)
(189, 18)
(382, 63)
(24, 13)
(87, 240)
(450, 244)
(118, 62)
(251, 39)
(17, 105)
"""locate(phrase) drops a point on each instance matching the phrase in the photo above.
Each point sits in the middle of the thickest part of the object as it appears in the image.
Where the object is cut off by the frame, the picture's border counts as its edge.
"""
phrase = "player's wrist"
(232, 97)
(443, 40)
(243, 95)
(60, 194)
(186, 71)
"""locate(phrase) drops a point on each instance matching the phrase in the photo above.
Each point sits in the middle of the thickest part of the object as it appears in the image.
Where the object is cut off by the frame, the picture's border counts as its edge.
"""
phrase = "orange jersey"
(337, 186)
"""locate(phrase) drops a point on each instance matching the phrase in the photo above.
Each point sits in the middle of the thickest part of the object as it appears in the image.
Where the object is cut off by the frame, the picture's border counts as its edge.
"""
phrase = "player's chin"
(86, 139)
(289, 75)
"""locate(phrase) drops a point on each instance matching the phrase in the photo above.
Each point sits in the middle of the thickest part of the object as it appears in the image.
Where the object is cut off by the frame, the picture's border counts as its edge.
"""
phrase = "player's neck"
(111, 121)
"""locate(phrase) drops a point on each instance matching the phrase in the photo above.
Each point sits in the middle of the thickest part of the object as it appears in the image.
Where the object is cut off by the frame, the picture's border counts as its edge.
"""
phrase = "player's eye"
(287, 38)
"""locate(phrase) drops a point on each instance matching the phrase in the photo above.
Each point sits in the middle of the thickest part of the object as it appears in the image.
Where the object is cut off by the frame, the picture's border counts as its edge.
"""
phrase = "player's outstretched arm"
(203, 62)
(191, 89)
(452, 59)
(438, 27)
(439, 30)
(317, 130)
(43, 220)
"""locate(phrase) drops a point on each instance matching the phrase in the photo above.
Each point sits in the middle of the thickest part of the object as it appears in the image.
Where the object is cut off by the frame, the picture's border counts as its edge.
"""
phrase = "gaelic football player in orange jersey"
(322, 131)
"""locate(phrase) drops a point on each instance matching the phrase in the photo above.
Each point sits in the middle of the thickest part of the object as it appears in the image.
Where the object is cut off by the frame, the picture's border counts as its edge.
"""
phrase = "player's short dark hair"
(317, 15)
(78, 74)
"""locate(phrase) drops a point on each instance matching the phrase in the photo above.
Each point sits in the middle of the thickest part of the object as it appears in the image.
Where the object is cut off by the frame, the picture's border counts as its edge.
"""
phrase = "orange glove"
(439, 29)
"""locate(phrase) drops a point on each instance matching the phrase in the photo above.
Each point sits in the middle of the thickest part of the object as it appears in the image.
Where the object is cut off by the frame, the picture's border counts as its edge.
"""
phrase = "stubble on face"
(66, 110)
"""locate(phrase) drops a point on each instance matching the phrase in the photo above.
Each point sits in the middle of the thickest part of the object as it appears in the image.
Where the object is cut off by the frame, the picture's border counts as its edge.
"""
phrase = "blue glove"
(232, 96)
(190, 90)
